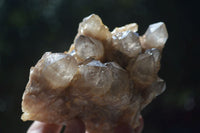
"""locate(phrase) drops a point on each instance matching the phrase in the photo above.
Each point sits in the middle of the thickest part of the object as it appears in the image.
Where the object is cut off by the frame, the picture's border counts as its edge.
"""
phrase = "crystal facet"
(155, 36)
(87, 47)
(57, 69)
(104, 79)
(93, 26)
(128, 43)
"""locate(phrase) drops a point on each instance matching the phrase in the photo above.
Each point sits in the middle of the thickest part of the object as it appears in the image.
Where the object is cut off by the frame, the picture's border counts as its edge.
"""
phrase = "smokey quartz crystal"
(105, 78)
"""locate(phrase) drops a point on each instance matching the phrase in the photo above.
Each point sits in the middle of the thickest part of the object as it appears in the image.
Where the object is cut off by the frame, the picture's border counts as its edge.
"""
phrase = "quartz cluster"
(104, 79)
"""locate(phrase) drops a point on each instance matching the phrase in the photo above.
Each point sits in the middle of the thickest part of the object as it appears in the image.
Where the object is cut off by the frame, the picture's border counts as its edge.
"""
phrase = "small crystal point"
(128, 43)
(154, 90)
(87, 47)
(159, 86)
(155, 36)
(93, 26)
(155, 52)
(156, 56)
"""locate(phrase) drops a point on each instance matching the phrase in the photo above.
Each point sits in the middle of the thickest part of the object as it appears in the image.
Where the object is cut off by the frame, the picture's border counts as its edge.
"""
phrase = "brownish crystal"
(106, 78)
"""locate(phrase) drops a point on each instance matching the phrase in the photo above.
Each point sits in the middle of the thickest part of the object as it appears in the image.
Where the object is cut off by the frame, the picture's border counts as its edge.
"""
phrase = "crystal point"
(126, 46)
(94, 27)
(87, 47)
(58, 69)
(145, 68)
(128, 43)
(155, 36)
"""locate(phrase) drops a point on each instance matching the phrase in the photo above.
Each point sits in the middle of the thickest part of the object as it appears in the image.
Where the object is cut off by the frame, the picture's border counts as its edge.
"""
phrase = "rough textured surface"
(104, 79)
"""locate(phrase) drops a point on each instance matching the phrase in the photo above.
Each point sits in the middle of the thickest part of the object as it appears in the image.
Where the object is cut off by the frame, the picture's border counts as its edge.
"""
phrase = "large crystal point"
(87, 47)
(57, 69)
(94, 79)
(120, 81)
(104, 79)
(43, 97)
(155, 36)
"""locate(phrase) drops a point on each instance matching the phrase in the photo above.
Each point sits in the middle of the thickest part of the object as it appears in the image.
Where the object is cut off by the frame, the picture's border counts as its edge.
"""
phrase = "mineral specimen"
(106, 78)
